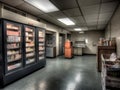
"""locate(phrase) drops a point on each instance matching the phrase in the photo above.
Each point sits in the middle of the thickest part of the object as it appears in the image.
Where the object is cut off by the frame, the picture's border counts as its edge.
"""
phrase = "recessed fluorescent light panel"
(77, 29)
(44, 5)
(66, 21)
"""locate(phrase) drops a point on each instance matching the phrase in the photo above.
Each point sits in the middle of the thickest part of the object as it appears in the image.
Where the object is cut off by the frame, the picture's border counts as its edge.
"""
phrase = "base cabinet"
(78, 51)
(51, 52)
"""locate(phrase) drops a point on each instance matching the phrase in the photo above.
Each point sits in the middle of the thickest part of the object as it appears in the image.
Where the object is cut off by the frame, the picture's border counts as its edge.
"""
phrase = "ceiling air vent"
(14, 10)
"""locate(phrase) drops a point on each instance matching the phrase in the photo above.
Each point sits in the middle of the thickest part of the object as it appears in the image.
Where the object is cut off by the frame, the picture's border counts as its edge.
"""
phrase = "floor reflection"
(78, 73)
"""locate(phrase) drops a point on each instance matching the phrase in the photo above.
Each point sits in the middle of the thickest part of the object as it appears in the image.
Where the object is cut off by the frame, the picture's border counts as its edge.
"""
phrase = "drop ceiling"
(87, 14)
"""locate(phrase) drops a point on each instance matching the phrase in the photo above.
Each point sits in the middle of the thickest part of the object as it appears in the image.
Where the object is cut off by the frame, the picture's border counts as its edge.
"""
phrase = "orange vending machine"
(68, 49)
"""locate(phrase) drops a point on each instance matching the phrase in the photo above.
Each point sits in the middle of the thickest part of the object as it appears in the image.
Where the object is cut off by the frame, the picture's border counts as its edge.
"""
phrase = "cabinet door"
(79, 51)
(41, 44)
(30, 56)
(75, 51)
(13, 46)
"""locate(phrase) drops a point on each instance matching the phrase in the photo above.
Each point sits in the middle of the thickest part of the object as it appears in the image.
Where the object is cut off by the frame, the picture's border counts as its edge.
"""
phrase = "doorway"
(61, 44)
(50, 44)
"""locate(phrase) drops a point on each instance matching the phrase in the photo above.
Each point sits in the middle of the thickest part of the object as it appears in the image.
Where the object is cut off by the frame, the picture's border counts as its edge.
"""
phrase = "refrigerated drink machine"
(68, 49)
(22, 50)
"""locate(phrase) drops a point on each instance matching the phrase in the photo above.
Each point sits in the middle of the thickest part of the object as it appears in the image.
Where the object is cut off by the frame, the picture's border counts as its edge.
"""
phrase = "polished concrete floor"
(78, 73)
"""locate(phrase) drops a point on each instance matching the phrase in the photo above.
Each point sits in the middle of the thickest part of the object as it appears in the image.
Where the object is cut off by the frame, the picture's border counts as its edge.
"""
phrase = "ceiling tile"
(84, 28)
(81, 24)
(108, 7)
(94, 9)
(57, 14)
(65, 4)
(105, 16)
(88, 2)
(101, 26)
(108, 0)
(91, 23)
(72, 12)
(29, 8)
(102, 22)
(92, 27)
(91, 17)
(92, 20)
(79, 19)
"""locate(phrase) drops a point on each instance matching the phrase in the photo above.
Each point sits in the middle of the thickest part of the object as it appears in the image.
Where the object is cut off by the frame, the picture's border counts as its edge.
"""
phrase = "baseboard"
(89, 54)
(51, 57)
(59, 55)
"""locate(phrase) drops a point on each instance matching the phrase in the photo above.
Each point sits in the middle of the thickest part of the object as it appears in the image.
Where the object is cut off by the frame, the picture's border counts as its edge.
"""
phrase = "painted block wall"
(92, 37)
(113, 29)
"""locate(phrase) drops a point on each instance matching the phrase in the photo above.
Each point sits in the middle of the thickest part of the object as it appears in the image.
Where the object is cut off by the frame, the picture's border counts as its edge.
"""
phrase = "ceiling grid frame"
(99, 13)
(81, 12)
(71, 5)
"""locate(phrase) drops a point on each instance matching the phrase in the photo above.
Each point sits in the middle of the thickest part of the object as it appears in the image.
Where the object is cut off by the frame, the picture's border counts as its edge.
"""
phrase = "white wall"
(114, 31)
(92, 37)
